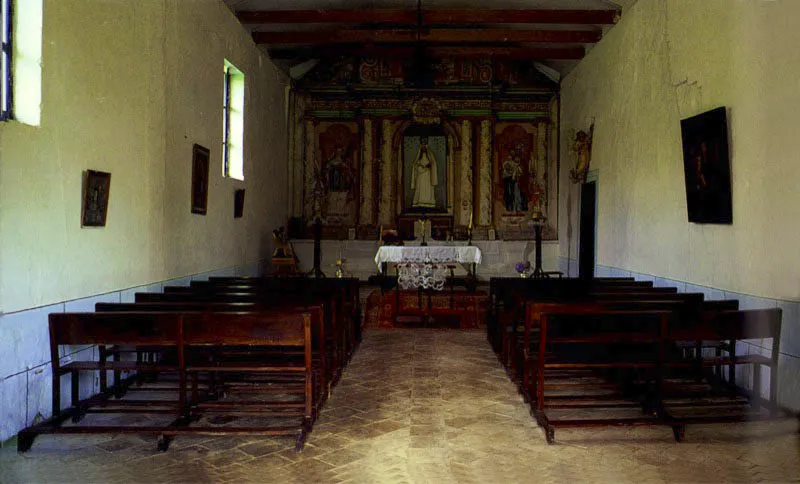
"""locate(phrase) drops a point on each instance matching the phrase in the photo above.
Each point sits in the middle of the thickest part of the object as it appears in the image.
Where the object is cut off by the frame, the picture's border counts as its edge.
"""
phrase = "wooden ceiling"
(556, 33)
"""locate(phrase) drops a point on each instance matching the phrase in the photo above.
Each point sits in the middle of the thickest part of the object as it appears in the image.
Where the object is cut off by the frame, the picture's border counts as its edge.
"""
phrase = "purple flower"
(520, 267)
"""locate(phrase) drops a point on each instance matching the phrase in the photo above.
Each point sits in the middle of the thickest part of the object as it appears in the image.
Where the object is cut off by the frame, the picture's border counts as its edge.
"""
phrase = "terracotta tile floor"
(422, 406)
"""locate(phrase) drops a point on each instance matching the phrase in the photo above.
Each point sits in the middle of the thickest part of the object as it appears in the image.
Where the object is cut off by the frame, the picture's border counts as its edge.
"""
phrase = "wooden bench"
(580, 342)
(189, 335)
(334, 331)
(649, 376)
(322, 359)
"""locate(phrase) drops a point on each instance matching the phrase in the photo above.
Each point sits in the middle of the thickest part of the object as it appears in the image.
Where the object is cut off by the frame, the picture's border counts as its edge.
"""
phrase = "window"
(5, 90)
(233, 123)
(21, 89)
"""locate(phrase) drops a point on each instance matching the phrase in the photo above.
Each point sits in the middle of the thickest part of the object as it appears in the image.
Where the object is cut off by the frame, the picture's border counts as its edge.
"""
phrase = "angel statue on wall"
(583, 149)
(425, 178)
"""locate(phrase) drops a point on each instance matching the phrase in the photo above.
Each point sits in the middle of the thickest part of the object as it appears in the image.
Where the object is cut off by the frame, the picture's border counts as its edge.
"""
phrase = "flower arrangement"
(523, 268)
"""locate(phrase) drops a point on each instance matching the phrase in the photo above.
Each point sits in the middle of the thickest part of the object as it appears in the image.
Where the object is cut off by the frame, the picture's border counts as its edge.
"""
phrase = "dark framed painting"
(706, 166)
(200, 162)
(238, 203)
(96, 188)
(424, 168)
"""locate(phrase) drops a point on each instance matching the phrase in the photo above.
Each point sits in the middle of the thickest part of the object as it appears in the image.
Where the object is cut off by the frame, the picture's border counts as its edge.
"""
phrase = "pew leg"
(301, 438)
(118, 386)
(75, 381)
(679, 432)
(163, 442)
(25, 441)
(755, 402)
(56, 393)
(195, 396)
(103, 354)
(550, 435)
(773, 386)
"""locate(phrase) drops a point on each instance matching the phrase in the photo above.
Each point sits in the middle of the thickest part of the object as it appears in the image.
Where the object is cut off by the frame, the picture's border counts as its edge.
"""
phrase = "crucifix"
(424, 226)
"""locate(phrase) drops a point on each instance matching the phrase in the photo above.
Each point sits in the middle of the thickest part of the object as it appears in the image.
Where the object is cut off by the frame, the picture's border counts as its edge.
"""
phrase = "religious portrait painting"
(200, 162)
(517, 187)
(524, 162)
(707, 169)
(95, 198)
(424, 170)
(337, 177)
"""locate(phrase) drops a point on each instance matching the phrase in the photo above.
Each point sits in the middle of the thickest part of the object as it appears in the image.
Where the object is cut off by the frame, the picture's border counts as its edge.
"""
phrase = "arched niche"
(425, 169)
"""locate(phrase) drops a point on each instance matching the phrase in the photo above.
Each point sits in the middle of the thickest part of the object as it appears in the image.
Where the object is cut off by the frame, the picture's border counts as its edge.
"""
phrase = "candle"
(470, 219)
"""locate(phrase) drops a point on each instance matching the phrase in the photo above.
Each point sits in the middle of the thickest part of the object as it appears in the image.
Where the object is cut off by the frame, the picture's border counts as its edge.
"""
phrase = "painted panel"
(337, 182)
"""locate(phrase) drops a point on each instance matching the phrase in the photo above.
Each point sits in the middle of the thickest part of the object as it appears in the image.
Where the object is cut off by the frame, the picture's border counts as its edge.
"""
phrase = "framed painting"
(706, 168)
(96, 188)
(200, 161)
(238, 203)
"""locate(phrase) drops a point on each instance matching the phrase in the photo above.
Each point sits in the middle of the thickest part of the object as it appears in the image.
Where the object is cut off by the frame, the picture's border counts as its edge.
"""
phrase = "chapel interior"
(399, 241)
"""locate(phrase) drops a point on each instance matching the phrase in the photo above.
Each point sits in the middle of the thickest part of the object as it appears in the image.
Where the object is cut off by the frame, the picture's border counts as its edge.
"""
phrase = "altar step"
(459, 309)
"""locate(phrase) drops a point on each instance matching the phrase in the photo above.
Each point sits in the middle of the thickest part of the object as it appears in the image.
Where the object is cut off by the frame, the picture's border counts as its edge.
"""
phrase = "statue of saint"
(424, 177)
(337, 173)
(514, 198)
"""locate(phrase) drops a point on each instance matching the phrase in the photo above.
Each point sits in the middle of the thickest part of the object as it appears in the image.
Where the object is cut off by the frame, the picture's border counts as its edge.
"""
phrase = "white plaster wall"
(128, 87)
(665, 61)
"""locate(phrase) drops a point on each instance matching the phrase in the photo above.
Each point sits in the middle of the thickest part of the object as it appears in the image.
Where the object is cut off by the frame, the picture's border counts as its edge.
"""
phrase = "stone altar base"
(459, 309)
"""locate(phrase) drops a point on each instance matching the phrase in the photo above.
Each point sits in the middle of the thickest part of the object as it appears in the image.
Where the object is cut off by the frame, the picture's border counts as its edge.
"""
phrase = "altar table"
(426, 267)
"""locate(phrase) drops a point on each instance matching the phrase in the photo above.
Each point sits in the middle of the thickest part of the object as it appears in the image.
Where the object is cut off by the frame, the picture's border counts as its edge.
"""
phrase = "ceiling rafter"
(427, 35)
(406, 51)
(431, 17)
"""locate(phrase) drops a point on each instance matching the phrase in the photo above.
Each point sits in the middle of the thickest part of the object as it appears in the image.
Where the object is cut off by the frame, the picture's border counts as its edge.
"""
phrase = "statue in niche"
(337, 172)
(425, 177)
(514, 197)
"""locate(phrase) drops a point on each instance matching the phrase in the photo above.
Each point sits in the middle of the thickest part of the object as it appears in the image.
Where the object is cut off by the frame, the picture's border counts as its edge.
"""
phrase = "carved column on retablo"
(367, 215)
(385, 209)
(485, 175)
(465, 190)
(310, 169)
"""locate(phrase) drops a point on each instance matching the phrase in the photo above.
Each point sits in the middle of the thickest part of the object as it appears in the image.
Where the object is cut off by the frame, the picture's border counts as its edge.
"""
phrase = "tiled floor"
(424, 406)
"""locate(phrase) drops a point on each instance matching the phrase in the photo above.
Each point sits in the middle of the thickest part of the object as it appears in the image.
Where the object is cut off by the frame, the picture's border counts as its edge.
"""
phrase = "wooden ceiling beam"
(434, 35)
(466, 51)
(431, 17)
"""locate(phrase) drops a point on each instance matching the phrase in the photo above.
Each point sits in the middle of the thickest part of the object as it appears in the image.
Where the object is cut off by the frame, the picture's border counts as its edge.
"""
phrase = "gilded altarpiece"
(477, 147)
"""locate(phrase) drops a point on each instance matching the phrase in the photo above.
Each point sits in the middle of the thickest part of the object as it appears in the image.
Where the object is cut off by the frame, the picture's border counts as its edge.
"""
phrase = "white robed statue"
(424, 178)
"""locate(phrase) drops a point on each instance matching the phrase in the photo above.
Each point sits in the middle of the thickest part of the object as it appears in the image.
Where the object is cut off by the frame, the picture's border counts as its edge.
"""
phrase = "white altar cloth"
(433, 253)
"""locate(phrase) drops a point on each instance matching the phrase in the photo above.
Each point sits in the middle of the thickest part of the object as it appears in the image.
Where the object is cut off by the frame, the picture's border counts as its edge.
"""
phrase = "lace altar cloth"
(426, 267)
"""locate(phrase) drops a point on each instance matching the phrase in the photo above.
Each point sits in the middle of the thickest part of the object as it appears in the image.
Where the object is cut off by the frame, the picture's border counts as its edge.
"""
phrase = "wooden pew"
(345, 291)
(511, 333)
(672, 404)
(347, 287)
(334, 331)
(622, 345)
(729, 326)
(185, 333)
(322, 360)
